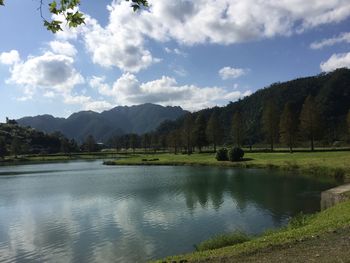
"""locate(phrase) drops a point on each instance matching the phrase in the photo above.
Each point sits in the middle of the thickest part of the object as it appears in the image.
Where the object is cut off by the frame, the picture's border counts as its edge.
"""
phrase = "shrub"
(298, 221)
(223, 241)
(221, 155)
(235, 154)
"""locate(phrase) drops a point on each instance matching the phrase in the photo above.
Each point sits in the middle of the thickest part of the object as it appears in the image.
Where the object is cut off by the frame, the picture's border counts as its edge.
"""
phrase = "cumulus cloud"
(63, 48)
(232, 73)
(336, 61)
(9, 58)
(48, 71)
(344, 37)
(127, 90)
(122, 43)
(175, 51)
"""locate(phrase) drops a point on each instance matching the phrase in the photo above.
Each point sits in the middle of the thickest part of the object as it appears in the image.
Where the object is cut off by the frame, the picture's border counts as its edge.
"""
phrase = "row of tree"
(287, 128)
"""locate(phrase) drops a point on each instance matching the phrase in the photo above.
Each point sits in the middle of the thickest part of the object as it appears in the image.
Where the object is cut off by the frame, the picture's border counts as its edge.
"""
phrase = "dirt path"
(330, 247)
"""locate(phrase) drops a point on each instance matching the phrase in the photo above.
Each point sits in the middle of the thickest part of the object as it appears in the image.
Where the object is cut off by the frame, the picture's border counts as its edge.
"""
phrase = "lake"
(83, 211)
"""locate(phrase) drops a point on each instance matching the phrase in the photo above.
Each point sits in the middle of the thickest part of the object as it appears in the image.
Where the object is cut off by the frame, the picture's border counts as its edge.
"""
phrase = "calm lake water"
(87, 212)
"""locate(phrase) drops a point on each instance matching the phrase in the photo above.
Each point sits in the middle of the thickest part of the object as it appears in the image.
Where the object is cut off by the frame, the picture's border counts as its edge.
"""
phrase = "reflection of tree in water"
(281, 195)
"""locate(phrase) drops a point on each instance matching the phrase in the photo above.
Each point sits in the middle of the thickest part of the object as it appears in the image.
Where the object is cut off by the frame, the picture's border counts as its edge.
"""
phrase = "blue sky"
(195, 54)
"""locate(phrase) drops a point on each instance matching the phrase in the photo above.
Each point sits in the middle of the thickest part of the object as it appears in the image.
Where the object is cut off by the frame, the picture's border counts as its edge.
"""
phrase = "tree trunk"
(214, 147)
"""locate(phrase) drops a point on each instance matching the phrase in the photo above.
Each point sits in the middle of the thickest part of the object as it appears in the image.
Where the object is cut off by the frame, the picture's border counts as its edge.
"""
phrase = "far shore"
(331, 163)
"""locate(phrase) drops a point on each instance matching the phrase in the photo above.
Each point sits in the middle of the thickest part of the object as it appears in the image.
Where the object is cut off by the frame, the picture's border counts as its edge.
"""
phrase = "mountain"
(119, 120)
(331, 92)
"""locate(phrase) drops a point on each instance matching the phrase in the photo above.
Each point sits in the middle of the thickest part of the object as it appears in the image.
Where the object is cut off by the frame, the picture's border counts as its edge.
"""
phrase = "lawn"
(332, 163)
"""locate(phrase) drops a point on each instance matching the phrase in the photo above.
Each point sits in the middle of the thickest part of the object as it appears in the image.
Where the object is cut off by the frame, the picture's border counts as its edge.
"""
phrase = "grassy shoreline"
(332, 219)
(333, 164)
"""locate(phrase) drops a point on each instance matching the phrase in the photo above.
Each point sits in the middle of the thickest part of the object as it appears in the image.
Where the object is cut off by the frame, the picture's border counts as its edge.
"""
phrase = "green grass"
(57, 157)
(335, 164)
(328, 220)
(224, 240)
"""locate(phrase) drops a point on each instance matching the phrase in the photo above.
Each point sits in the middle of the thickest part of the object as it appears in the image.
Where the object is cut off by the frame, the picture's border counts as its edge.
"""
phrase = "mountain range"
(119, 120)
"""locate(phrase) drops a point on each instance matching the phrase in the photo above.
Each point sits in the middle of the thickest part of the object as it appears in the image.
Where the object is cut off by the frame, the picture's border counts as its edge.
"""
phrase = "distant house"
(12, 122)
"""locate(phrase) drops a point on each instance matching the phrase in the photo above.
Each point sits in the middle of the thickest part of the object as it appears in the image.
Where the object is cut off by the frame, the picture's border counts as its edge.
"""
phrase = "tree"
(237, 129)
(288, 126)
(270, 121)
(310, 120)
(65, 8)
(174, 140)
(187, 131)
(3, 150)
(214, 130)
(16, 146)
(90, 144)
(65, 145)
(133, 141)
(199, 136)
(348, 123)
(146, 141)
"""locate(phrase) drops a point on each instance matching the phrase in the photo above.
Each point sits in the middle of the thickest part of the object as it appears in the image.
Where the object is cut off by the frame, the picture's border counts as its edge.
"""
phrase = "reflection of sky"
(84, 212)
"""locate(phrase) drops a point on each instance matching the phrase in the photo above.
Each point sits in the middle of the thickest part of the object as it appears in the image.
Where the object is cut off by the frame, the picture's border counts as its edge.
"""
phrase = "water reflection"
(86, 212)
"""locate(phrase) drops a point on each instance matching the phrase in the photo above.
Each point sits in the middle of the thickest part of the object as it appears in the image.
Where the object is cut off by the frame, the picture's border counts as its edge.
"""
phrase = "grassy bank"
(23, 159)
(334, 164)
(332, 219)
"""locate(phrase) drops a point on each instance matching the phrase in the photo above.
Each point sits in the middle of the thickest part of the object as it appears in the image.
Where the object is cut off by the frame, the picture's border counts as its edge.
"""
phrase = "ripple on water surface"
(86, 212)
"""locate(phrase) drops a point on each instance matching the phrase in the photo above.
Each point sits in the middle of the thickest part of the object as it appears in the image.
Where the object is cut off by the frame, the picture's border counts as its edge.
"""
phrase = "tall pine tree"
(288, 126)
(199, 136)
(237, 129)
(214, 131)
(187, 133)
(348, 124)
(310, 120)
(270, 121)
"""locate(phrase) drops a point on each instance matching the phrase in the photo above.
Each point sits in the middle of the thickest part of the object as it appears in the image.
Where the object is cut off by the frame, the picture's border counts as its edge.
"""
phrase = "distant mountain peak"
(120, 119)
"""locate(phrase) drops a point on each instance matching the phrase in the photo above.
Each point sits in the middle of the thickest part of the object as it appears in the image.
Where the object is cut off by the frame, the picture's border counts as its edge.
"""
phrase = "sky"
(189, 53)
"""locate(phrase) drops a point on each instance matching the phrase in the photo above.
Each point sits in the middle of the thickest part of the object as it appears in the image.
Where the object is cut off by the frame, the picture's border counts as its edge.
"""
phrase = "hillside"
(331, 92)
(119, 120)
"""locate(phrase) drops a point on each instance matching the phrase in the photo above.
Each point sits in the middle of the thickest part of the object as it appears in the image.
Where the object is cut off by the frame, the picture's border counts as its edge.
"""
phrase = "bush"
(236, 154)
(221, 155)
(223, 241)
(298, 221)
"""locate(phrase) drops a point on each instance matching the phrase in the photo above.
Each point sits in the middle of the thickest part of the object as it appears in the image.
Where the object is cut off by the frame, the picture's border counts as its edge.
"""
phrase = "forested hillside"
(328, 93)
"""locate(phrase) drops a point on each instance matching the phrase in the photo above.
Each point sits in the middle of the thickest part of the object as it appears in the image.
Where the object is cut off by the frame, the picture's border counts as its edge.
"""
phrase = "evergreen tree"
(199, 136)
(187, 131)
(288, 126)
(237, 129)
(3, 150)
(90, 144)
(174, 140)
(65, 145)
(270, 121)
(310, 120)
(214, 131)
(16, 147)
(133, 142)
(146, 142)
(348, 124)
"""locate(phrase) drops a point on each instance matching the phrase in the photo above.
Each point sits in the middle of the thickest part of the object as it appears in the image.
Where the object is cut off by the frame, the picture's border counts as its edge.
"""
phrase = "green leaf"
(2, 2)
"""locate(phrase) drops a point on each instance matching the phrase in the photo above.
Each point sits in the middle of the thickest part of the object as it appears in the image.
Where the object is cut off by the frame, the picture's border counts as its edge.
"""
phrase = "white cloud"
(175, 51)
(127, 90)
(86, 102)
(10, 58)
(48, 71)
(231, 73)
(344, 37)
(63, 48)
(336, 61)
(122, 43)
